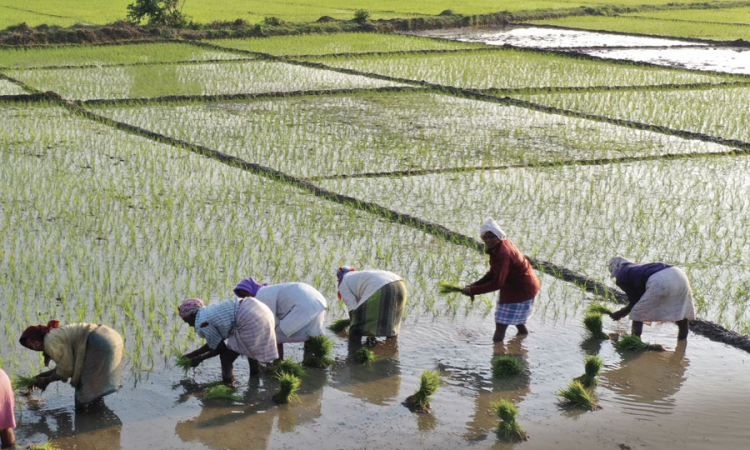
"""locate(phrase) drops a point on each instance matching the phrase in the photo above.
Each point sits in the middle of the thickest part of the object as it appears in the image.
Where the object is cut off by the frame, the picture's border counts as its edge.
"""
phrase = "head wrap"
(189, 307)
(491, 226)
(249, 285)
(616, 263)
(343, 271)
(37, 333)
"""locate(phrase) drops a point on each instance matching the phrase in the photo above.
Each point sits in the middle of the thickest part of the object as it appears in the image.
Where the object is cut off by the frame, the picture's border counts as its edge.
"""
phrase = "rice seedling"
(183, 363)
(428, 385)
(445, 287)
(508, 428)
(598, 308)
(23, 384)
(289, 366)
(593, 322)
(631, 342)
(223, 392)
(46, 446)
(506, 366)
(592, 366)
(578, 395)
(318, 353)
(288, 387)
(365, 356)
(340, 325)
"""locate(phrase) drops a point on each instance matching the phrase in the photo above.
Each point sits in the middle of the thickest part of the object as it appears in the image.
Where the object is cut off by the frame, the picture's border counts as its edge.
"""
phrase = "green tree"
(158, 12)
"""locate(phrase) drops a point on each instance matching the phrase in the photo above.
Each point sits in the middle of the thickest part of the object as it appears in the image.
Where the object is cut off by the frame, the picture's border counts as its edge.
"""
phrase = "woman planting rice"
(375, 300)
(7, 418)
(299, 308)
(511, 273)
(231, 328)
(656, 292)
(89, 355)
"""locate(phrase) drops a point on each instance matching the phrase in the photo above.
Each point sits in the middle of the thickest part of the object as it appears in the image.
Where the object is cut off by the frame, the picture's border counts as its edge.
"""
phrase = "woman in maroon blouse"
(511, 273)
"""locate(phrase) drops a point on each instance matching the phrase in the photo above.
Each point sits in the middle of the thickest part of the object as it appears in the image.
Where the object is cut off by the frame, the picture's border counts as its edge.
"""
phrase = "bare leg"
(7, 438)
(683, 327)
(637, 328)
(280, 349)
(355, 339)
(254, 367)
(522, 329)
(227, 365)
(499, 332)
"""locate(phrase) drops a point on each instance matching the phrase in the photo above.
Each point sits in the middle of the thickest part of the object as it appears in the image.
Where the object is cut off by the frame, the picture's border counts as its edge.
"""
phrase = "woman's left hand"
(466, 291)
(43, 382)
(195, 362)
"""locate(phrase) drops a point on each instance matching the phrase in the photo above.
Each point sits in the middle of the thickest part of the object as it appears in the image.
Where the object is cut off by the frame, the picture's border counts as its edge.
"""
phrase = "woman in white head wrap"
(656, 292)
(511, 273)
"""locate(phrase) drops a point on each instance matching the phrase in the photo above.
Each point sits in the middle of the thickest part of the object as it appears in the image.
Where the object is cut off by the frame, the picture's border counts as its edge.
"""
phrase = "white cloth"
(357, 286)
(295, 305)
(492, 226)
(616, 263)
(668, 298)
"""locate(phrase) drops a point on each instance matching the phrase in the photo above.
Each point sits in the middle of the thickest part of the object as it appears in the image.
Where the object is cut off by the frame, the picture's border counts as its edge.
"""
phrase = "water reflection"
(223, 424)
(96, 427)
(646, 382)
(378, 382)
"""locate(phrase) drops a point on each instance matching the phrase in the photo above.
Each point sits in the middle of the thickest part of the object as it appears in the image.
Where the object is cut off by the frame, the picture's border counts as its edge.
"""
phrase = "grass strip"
(506, 366)
(508, 428)
(577, 395)
(288, 387)
(428, 385)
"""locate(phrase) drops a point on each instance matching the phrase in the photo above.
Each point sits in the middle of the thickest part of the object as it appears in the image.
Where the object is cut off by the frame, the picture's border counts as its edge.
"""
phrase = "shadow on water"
(379, 382)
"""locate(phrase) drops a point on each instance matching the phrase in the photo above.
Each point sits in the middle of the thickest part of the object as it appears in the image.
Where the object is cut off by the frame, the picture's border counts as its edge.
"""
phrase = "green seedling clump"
(577, 395)
(291, 367)
(598, 308)
(445, 288)
(24, 384)
(508, 428)
(429, 383)
(593, 322)
(224, 392)
(340, 325)
(288, 387)
(183, 363)
(631, 342)
(593, 366)
(46, 446)
(317, 355)
(364, 356)
(506, 366)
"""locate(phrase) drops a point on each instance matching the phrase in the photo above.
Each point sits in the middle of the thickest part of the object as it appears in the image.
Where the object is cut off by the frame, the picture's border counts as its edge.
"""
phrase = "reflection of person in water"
(221, 427)
(492, 390)
(649, 377)
(378, 382)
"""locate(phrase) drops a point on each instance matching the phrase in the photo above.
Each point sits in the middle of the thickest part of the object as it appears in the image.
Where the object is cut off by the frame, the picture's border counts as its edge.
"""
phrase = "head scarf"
(37, 332)
(492, 226)
(343, 271)
(617, 263)
(189, 307)
(249, 285)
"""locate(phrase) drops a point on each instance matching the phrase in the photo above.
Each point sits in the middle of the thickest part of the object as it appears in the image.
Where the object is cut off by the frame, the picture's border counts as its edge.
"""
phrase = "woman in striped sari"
(375, 300)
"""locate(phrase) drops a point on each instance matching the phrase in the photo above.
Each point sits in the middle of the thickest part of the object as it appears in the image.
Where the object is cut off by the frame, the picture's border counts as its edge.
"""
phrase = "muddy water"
(630, 48)
(689, 397)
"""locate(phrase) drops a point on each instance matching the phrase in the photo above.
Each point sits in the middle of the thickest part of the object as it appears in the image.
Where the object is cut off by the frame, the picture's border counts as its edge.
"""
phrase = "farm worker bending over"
(231, 328)
(299, 308)
(656, 292)
(375, 300)
(511, 273)
(7, 418)
(89, 355)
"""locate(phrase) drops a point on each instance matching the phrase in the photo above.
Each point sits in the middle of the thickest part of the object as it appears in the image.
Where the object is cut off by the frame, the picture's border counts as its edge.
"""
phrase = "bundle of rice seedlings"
(577, 395)
(340, 325)
(46, 446)
(593, 322)
(508, 429)
(445, 288)
(23, 384)
(291, 367)
(598, 308)
(506, 366)
(317, 355)
(183, 363)
(364, 356)
(593, 366)
(631, 342)
(222, 391)
(428, 384)
(288, 387)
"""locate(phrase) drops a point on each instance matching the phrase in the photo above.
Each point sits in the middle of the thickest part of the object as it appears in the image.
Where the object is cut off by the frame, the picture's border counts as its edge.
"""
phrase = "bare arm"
(221, 348)
(198, 352)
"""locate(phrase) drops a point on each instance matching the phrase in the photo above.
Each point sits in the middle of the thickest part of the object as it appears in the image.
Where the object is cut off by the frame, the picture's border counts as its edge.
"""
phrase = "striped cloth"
(102, 367)
(254, 335)
(514, 313)
(215, 322)
(380, 314)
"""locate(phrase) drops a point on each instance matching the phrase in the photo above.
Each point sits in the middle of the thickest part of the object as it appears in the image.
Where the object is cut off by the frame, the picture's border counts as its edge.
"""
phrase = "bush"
(158, 12)
(361, 16)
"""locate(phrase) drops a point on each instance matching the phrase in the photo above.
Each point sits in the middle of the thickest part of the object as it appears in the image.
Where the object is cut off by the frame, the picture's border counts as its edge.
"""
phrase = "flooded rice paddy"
(113, 227)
